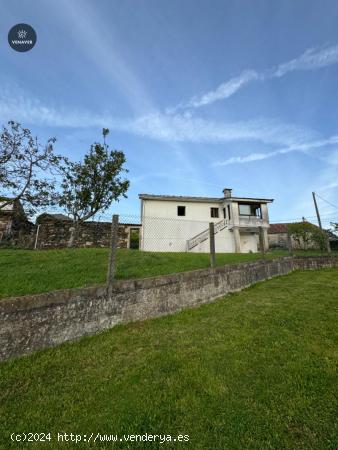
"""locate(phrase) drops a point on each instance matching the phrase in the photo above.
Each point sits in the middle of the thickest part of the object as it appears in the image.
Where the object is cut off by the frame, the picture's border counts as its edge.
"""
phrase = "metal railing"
(204, 235)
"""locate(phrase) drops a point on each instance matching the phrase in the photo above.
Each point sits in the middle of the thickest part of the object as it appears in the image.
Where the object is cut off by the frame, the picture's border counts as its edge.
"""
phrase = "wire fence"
(100, 251)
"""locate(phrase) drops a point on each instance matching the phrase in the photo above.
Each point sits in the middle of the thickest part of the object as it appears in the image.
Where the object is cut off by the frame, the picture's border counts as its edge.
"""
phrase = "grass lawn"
(256, 370)
(29, 272)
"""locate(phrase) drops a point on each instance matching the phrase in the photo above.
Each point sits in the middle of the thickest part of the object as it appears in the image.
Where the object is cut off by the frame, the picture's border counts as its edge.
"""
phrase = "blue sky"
(200, 95)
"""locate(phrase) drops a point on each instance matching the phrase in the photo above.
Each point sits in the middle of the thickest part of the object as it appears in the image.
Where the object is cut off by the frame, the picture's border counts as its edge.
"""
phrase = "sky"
(199, 95)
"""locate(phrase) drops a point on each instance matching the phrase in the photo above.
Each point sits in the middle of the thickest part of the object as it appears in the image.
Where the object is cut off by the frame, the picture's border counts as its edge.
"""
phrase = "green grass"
(256, 370)
(30, 272)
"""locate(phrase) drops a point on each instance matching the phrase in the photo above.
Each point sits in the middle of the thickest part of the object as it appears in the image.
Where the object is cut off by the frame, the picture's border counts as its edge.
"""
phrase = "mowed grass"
(256, 370)
(25, 272)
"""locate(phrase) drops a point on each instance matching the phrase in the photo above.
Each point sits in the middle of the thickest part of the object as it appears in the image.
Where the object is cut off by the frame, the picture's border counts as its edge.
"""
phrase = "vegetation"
(29, 272)
(91, 186)
(34, 175)
(256, 370)
(306, 235)
(24, 165)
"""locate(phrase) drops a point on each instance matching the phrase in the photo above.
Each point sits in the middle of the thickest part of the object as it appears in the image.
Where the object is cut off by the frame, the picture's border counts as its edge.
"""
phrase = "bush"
(308, 235)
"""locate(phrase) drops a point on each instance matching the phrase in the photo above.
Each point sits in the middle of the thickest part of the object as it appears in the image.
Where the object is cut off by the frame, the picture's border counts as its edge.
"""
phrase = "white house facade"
(181, 224)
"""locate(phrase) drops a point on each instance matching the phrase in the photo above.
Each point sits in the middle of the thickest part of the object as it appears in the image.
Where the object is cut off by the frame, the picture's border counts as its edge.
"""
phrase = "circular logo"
(22, 37)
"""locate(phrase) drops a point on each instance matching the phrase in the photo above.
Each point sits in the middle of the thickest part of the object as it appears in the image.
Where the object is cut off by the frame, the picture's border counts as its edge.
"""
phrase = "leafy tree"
(92, 185)
(321, 239)
(306, 234)
(23, 167)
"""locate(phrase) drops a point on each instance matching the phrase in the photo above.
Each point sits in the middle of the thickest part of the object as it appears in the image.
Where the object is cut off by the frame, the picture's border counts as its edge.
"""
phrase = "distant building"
(278, 236)
(13, 220)
(181, 224)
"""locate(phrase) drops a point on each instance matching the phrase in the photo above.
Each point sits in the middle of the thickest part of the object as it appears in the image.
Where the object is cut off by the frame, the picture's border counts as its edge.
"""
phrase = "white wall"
(224, 243)
(164, 231)
(249, 242)
(169, 235)
(199, 211)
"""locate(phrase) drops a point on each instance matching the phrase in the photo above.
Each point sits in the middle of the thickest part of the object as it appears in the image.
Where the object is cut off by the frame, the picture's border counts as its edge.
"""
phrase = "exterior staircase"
(204, 235)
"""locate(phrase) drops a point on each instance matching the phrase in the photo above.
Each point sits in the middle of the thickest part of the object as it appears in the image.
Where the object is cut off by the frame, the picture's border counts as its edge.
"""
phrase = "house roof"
(11, 207)
(7, 208)
(276, 228)
(182, 198)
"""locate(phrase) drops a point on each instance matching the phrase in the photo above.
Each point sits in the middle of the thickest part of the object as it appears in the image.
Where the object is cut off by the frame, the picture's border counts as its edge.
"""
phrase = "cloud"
(173, 129)
(179, 128)
(311, 59)
(304, 147)
(225, 90)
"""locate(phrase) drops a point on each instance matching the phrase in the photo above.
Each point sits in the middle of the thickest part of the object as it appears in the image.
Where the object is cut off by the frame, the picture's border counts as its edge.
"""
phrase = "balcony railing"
(204, 235)
(250, 221)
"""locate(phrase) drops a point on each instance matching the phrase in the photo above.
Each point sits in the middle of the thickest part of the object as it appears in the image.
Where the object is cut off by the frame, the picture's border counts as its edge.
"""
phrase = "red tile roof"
(276, 228)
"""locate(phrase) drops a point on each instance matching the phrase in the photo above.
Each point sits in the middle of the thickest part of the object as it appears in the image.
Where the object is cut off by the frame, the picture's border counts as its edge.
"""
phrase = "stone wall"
(56, 234)
(33, 322)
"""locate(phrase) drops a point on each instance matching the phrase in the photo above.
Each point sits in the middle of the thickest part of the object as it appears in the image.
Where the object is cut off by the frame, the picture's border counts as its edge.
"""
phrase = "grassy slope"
(255, 370)
(28, 272)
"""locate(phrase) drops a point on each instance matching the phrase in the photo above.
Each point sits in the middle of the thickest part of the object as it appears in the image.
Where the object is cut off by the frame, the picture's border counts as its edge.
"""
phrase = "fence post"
(328, 244)
(289, 242)
(212, 244)
(36, 237)
(112, 253)
(261, 241)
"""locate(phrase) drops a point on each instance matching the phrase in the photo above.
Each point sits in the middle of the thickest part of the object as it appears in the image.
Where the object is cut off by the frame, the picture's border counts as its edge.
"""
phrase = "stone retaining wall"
(33, 322)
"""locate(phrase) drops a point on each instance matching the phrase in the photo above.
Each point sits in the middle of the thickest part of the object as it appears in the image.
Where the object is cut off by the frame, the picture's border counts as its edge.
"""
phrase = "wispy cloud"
(178, 128)
(311, 59)
(223, 91)
(305, 147)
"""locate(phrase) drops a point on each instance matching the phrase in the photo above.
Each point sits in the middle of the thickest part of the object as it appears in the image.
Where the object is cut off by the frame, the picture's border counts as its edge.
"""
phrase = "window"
(181, 210)
(229, 215)
(249, 210)
(214, 212)
(244, 210)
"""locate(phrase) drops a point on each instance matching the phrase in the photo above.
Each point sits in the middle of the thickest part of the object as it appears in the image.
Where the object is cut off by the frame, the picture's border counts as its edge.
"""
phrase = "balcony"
(251, 221)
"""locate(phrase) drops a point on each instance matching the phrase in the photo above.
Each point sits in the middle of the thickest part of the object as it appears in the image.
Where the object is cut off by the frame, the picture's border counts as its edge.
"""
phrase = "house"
(13, 220)
(278, 236)
(181, 224)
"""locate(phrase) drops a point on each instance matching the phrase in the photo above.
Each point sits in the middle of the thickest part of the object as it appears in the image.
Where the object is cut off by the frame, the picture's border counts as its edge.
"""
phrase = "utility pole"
(317, 210)
(320, 222)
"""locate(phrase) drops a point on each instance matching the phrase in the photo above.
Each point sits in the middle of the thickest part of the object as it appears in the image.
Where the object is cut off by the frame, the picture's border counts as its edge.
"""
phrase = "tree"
(92, 185)
(23, 167)
(306, 234)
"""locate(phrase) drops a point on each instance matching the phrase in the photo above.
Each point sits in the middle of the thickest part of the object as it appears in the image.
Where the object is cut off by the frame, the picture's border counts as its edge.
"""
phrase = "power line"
(326, 201)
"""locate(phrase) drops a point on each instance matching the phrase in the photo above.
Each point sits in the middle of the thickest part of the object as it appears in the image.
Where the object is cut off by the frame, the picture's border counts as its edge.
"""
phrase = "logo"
(22, 37)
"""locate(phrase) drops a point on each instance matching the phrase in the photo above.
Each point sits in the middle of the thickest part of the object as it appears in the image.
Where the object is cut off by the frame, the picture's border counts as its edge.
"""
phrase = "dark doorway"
(134, 238)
